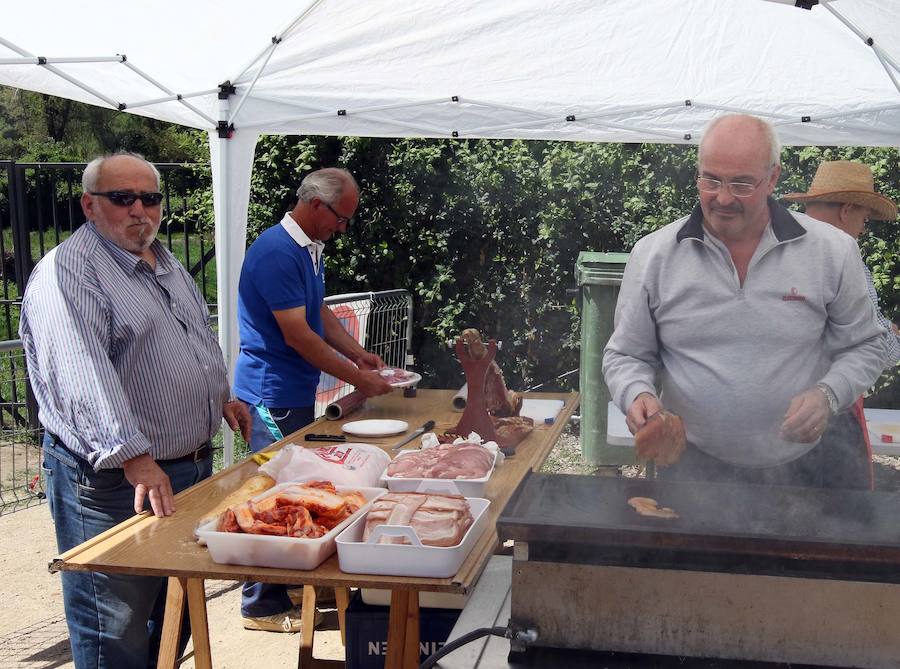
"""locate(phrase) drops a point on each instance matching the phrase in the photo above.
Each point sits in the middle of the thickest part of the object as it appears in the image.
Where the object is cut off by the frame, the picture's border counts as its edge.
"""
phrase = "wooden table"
(149, 546)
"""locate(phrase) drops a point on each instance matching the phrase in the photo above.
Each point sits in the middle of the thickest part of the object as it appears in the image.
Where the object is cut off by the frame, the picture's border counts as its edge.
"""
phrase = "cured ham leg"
(499, 400)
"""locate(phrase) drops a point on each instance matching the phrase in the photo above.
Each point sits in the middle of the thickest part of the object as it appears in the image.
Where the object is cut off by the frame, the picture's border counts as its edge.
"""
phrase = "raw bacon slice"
(662, 439)
(439, 520)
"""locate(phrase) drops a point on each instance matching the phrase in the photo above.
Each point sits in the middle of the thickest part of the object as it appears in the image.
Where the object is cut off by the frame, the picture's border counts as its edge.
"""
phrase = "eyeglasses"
(736, 188)
(342, 220)
(125, 198)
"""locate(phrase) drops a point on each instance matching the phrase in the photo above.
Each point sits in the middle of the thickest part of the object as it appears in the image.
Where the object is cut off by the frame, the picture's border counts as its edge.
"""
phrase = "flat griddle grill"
(761, 573)
(841, 526)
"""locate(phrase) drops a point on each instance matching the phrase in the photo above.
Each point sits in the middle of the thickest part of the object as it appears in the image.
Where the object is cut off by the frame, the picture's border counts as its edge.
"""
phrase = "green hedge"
(486, 233)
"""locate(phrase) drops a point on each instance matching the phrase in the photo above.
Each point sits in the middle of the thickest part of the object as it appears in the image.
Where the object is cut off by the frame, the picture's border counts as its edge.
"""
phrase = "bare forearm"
(320, 355)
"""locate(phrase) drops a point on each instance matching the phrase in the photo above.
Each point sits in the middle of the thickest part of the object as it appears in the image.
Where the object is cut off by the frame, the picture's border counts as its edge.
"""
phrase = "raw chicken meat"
(447, 461)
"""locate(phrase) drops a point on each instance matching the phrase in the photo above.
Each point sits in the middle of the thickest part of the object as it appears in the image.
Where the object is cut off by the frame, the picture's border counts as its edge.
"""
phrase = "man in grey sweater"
(753, 322)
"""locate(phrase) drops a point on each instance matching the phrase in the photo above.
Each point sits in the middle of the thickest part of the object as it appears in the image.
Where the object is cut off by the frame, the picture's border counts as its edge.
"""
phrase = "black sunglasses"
(342, 220)
(125, 198)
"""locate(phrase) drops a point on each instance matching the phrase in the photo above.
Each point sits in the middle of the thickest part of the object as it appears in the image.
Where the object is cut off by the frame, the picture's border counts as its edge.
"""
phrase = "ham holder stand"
(475, 418)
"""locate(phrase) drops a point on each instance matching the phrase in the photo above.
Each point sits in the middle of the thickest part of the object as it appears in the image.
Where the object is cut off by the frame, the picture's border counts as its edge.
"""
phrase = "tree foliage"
(486, 233)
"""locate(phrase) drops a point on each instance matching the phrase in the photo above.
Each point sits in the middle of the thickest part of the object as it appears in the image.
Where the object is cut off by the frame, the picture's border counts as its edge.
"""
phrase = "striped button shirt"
(893, 340)
(120, 355)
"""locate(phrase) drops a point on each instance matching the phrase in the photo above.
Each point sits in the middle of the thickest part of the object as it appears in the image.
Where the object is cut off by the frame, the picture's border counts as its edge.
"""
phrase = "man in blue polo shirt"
(288, 336)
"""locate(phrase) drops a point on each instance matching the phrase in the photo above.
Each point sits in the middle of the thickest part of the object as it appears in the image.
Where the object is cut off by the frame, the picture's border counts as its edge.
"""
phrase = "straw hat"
(850, 182)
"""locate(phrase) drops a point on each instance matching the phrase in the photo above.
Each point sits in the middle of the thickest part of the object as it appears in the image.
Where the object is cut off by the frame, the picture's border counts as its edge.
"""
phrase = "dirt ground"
(33, 631)
(32, 625)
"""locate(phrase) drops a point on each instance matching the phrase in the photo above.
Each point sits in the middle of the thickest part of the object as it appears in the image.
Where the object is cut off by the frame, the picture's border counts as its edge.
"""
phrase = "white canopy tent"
(597, 70)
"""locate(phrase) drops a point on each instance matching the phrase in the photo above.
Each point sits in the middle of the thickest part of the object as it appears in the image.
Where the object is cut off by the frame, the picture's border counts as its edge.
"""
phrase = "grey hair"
(766, 128)
(327, 184)
(91, 174)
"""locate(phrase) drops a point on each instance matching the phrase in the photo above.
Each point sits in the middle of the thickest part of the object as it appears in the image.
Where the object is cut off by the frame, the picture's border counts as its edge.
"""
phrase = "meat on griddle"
(647, 506)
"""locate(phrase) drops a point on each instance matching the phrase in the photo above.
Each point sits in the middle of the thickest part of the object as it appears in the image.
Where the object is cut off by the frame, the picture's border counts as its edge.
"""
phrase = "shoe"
(324, 596)
(286, 621)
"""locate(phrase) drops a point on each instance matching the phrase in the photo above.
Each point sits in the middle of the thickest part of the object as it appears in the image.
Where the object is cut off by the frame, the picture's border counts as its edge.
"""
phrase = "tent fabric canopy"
(595, 70)
(619, 70)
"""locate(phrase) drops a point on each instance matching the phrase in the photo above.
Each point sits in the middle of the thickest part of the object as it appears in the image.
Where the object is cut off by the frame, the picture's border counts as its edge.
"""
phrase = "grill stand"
(605, 607)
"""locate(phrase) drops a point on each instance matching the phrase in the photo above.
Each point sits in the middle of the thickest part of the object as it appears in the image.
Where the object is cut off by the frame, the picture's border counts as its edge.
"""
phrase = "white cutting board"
(617, 432)
(879, 421)
(540, 410)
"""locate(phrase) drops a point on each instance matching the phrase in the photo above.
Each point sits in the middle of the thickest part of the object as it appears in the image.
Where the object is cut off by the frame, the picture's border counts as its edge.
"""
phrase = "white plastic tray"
(465, 487)
(259, 550)
(358, 557)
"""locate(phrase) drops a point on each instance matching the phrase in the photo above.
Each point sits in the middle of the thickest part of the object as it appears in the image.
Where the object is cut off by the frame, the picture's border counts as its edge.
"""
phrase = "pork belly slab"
(447, 461)
(439, 520)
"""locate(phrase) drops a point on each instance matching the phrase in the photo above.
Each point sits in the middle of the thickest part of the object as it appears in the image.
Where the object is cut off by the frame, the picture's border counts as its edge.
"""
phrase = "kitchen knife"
(412, 435)
(324, 437)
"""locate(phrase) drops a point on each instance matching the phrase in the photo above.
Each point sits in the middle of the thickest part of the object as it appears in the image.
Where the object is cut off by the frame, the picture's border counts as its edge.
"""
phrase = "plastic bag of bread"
(253, 486)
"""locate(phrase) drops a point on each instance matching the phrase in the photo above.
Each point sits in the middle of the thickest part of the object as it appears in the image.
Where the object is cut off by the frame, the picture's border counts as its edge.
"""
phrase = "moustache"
(728, 210)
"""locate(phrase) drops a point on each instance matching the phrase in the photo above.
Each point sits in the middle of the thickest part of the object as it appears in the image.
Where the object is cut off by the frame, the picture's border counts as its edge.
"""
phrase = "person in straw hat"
(843, 193)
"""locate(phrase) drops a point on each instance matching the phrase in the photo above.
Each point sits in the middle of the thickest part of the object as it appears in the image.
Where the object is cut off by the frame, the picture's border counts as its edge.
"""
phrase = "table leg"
(411, 644)
(342, 601)
(308, 618)
(171, 631)
(196, 597)
(396, 641)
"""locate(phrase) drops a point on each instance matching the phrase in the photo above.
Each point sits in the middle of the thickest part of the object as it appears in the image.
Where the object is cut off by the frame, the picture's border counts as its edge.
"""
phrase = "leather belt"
(195, 456)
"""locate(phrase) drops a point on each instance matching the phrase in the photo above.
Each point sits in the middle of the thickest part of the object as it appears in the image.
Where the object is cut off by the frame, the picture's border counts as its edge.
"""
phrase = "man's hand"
(806, 417)
(644, 406)
(149, 479)
(371, 384)
(370, 361)
(237, 415)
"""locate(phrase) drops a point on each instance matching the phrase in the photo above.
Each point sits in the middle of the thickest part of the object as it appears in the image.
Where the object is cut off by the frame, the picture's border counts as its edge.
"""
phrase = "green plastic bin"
(599, 276)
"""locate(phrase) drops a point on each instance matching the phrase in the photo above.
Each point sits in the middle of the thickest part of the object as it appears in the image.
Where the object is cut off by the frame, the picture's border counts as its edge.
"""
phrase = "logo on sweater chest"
(794, 296)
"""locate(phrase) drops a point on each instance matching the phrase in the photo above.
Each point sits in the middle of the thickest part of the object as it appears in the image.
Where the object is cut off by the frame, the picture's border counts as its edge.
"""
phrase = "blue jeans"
(114, 620)
(268, 599)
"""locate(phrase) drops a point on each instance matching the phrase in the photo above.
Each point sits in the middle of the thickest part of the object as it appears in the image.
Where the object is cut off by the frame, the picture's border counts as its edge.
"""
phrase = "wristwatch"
(830, 396)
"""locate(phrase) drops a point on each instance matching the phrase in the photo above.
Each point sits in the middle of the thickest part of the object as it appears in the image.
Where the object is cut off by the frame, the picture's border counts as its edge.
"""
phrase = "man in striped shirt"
(131, 387)
(843, 194)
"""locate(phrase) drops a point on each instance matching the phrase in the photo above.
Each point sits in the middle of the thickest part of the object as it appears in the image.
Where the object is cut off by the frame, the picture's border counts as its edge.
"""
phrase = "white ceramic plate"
(375, 427)
(413, 379)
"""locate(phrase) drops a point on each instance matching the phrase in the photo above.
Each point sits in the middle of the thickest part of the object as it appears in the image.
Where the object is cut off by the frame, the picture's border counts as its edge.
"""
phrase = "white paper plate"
(375, 427)
(413, 379)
